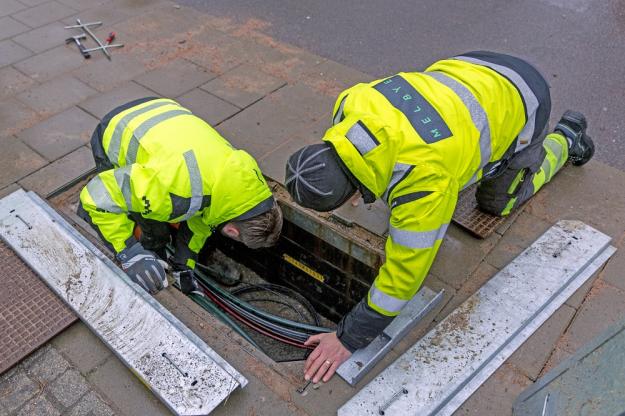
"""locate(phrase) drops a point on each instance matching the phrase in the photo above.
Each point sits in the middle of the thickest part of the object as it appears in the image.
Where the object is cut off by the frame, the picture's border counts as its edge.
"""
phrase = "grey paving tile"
(100, 104)
(175, 78)
(580, 294)
(17, 160)
(11, 27)
(48, 367)
(38, 406)
(44, 38)
(56, 95)
(13, 81)
(10, 6)
(330, 78)
(60, 172)
(373, 217)
(50, 64)
(104, 75)
(273, 164)
(43, 13)
(103, 12)
(31, 3)
(15, 116)
(11, 52)
(208, 107)
(243, 85)
(531, 357)
(119, 386)
(69, 388)
(92, 405)
(9, 189)
(81, 347)
(60, 134)
(16, 390)
(614, 272)
(83, 5)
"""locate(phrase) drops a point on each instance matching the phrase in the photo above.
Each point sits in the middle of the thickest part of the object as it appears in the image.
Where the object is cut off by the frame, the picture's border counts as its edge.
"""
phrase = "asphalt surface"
(579, 45)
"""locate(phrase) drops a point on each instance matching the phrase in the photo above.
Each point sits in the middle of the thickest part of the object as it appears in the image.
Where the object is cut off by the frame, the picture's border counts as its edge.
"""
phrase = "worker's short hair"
(262, 230)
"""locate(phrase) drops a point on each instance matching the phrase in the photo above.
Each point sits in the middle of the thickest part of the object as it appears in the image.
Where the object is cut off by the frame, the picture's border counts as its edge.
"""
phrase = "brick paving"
(270, 99)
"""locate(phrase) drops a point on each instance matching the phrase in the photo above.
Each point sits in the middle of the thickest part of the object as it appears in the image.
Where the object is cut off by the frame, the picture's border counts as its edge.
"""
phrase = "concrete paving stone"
(580, 294)
(38, 406)
(68, 388)
(602, 307)
(35, 356)
(11, 27)
(48, 367)
(17, 160)
(373, 217)
(331, 78)
(82, 348)
(92, 405)
(51, 64)
(614, 271)
(118, 385)
(216, 51)
(31, 3)
(60, 134)
(12, 82)
(497, 395)
(11, 52)
(273, 164)
(44, 38)
(15, 116)
(16, 390)
(175, 78)
(99, 105)
(43, 14)
(100, 13)
(532, 356)
(10, 6)
(56, 95)
(60, 172)
(211, 109)
(525, 230)
(83, 5)
(104, 75)
(9, 189)
(243, 85)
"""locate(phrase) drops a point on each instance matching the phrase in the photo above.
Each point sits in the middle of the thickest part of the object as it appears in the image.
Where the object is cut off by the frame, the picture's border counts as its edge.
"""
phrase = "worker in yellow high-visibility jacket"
(160, 164)
(415, 140)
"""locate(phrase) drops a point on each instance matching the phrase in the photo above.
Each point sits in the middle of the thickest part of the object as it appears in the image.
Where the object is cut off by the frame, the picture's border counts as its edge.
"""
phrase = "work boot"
(573, 126)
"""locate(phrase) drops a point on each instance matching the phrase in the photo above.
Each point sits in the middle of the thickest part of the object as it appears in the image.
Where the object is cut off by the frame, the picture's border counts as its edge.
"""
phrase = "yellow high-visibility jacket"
(417, 139)
(170, 166)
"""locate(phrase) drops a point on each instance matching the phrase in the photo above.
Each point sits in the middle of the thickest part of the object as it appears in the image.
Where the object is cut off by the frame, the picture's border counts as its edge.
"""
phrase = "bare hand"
(326, 358)
(355, 199)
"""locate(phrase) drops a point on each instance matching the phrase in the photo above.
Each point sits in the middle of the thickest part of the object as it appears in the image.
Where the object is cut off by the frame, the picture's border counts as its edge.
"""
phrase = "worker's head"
(316, 178)
(262, 230)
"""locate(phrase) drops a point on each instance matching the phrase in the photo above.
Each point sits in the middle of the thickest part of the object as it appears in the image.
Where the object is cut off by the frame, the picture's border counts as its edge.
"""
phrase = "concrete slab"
(211, 109)
(330, 78)
(532, 356)
(60, 172)
(100, 104)
(56, 95)
(104, 75)
(580, 294)
(104, 12)
(273, 164)
(31, 3)
(47, 366)
(38, 406)
(68, 388)
(50, 64)
(17, 160)
(83, 5)
(11, 52)
(11, 27)
(44, 38)
(82, 348)
(243, 86)
(13, 82)
(60, 134)
(92, 405)
(43, 13)
(373, 217)
(16, 390)
(614, 271)
(10, 6)
(175, 78)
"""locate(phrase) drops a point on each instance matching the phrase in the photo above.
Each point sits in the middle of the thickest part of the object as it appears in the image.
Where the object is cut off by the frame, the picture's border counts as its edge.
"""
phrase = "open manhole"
(303, 278)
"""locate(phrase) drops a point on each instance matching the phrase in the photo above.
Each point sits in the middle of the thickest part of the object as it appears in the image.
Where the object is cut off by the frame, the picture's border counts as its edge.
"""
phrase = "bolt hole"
(381, 412)
(194, 382)
(404, 390)
(12, 211)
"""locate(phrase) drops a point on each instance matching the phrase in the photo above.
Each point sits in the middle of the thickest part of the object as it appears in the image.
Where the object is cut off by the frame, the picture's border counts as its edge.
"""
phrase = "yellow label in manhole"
(304, 268)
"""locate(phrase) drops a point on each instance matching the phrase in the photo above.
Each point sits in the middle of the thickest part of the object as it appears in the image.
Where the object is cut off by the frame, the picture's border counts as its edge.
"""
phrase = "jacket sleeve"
(417, 226)
(106, 199)
(190, 239)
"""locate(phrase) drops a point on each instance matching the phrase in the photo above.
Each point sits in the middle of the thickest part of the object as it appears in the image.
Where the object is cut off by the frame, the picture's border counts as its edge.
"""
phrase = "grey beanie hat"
(315, 178)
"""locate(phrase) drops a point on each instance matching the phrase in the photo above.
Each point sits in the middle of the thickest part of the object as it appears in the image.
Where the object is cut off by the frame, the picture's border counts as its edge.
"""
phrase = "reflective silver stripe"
(471, 181)
(546, 167)
(384, 301)
(142, 130)
(361, 138)
(116, 137)
(400, 170)
(101, 196)
(478, 115)
(339, 113)
(122, 176)
(417, 239)
(531, 102)
(556, 148)
(195, 179)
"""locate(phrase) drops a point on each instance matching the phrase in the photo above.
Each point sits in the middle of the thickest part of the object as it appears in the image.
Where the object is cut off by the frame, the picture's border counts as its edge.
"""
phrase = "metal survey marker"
(439, 372)
(180, 369)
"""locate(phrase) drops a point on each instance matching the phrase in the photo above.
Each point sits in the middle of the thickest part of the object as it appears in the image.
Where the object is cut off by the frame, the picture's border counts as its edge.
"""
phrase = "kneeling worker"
(415, 140)
(160, 164)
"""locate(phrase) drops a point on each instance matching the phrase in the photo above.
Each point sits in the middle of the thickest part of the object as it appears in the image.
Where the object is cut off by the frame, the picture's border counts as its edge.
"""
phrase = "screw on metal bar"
(303, 388)
(30, 227)
(389, 402)
(545, 404)
(174, 365)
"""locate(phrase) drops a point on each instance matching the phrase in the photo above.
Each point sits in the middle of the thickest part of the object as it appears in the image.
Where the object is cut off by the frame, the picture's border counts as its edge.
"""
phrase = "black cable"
(278, 302)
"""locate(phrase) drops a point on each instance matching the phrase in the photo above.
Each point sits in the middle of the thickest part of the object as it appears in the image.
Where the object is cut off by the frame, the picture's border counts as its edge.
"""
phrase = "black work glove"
(186, 281)
(144, 267)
